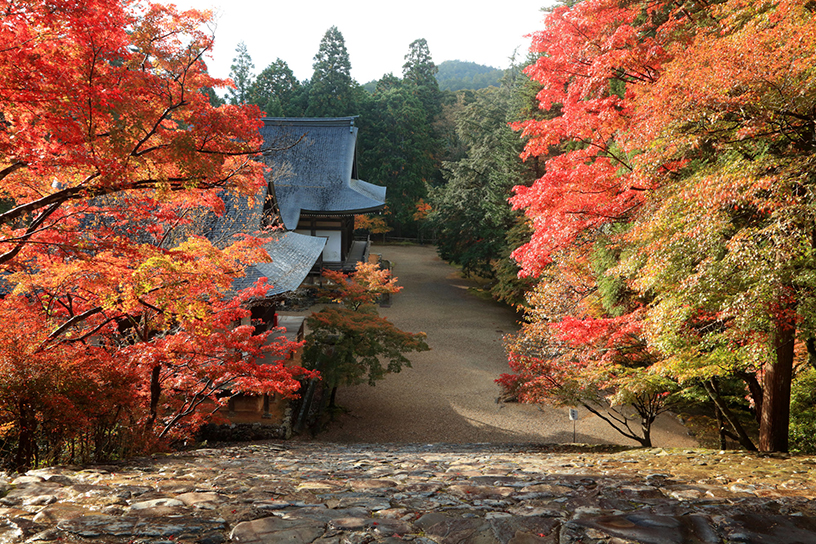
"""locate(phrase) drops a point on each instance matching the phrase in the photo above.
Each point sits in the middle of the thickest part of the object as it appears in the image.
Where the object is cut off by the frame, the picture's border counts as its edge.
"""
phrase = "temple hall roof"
(292, 255)
(314, 168)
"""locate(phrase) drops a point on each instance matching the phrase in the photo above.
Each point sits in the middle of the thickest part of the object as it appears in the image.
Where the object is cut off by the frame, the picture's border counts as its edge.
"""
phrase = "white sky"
(377, 32)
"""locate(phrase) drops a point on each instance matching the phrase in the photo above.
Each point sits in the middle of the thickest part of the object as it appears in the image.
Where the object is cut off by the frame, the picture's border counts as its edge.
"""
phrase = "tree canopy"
(685, 133)
(350, 343)
(241, 75)
(661, 214)
(276, 91)
(470, 214)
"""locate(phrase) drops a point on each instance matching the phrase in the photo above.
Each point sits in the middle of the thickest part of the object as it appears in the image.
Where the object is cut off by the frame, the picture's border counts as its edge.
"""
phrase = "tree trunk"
(811, 349)
(720, 428)
(155, 394)
(756, 392)
(742, 436)
(773, 426)
(646, 428)
(719, 417)
(26, 441)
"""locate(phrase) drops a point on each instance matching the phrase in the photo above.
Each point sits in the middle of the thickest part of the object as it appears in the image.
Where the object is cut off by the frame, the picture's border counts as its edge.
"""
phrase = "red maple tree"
(117, 315)
(684, 140)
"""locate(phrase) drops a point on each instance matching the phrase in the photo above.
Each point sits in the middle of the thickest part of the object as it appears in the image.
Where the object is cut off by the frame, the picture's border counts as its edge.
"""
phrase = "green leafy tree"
(470, 215)
(394, 151)
(350, 343)
(241, 75)
(803, 411)
(386, 83)
(401, 149)
(508, 287)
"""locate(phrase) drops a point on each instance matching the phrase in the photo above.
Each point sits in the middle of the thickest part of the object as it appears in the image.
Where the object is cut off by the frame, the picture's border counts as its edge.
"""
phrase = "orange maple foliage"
(110, 156)
(422, 210)
(374, 224)
(684, 133)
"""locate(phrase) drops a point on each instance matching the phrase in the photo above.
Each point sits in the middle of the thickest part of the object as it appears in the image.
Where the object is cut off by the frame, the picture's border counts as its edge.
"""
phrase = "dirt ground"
(449, 394)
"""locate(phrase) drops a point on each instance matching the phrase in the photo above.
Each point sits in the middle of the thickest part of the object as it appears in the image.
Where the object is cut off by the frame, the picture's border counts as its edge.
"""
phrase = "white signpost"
(573, 415)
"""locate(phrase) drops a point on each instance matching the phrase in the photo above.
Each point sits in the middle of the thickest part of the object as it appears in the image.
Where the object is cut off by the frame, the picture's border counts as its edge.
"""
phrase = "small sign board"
(573, 414)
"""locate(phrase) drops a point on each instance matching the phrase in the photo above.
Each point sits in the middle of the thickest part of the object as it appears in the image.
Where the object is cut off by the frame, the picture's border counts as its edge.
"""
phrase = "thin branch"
(628, 433)
(197, 399)
(32, 229)
(71, 322)
(743, 437)
(8, 170)
(92, 332)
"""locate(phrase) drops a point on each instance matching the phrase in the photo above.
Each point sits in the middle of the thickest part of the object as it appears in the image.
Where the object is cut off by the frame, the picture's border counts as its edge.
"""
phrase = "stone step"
(302, 492)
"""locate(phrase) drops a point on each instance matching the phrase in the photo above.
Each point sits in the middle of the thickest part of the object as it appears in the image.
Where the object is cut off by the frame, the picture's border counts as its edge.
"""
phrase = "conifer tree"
(276, 90)
(241, 75)
(419, 74)
(332, 91)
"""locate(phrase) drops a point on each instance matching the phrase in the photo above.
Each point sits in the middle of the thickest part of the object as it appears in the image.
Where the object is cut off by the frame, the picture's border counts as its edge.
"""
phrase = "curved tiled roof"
(313, 168)
(292, 257)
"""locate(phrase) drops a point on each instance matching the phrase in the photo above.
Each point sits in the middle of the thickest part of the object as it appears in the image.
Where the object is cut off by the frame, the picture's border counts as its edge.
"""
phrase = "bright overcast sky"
(377, 32)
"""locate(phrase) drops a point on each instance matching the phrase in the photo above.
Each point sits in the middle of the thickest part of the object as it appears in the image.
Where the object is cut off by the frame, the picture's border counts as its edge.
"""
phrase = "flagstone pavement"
(322, 493)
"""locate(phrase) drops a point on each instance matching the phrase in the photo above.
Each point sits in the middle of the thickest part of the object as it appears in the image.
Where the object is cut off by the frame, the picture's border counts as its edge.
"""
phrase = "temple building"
(315, 188)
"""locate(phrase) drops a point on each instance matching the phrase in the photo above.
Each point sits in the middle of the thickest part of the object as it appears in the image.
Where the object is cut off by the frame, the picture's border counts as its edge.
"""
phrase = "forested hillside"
(457, 75)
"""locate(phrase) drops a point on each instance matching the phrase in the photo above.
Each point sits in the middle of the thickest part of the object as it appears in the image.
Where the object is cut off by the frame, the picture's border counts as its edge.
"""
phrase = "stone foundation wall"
(245, 432)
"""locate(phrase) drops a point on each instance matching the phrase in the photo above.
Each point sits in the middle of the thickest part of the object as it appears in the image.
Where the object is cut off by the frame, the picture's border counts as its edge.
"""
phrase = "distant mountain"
(455, 75)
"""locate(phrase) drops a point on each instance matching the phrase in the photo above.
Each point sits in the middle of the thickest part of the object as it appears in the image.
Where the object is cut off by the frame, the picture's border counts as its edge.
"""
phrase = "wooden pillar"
(266, 414)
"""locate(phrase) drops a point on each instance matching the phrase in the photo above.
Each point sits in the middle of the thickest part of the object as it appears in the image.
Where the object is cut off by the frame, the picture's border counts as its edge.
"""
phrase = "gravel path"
(449, 394)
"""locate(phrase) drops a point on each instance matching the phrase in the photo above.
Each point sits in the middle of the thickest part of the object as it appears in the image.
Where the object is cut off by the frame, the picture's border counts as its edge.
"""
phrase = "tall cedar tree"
(419, 76)
(276, 91)
(393, 151)
(241, 75)
(694, 159)
(332, 91)
(419, 73)
(117, 327)
(400, 149)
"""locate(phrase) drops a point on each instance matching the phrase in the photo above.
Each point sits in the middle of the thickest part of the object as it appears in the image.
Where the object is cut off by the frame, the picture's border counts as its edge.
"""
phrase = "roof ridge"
(311, 121)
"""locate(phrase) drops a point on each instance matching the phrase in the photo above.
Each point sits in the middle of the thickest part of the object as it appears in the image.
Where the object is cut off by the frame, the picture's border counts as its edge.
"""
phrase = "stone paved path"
(297, 493)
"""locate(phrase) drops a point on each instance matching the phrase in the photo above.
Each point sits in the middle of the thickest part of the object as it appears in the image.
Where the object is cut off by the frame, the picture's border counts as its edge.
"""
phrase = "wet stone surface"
(298, 492)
